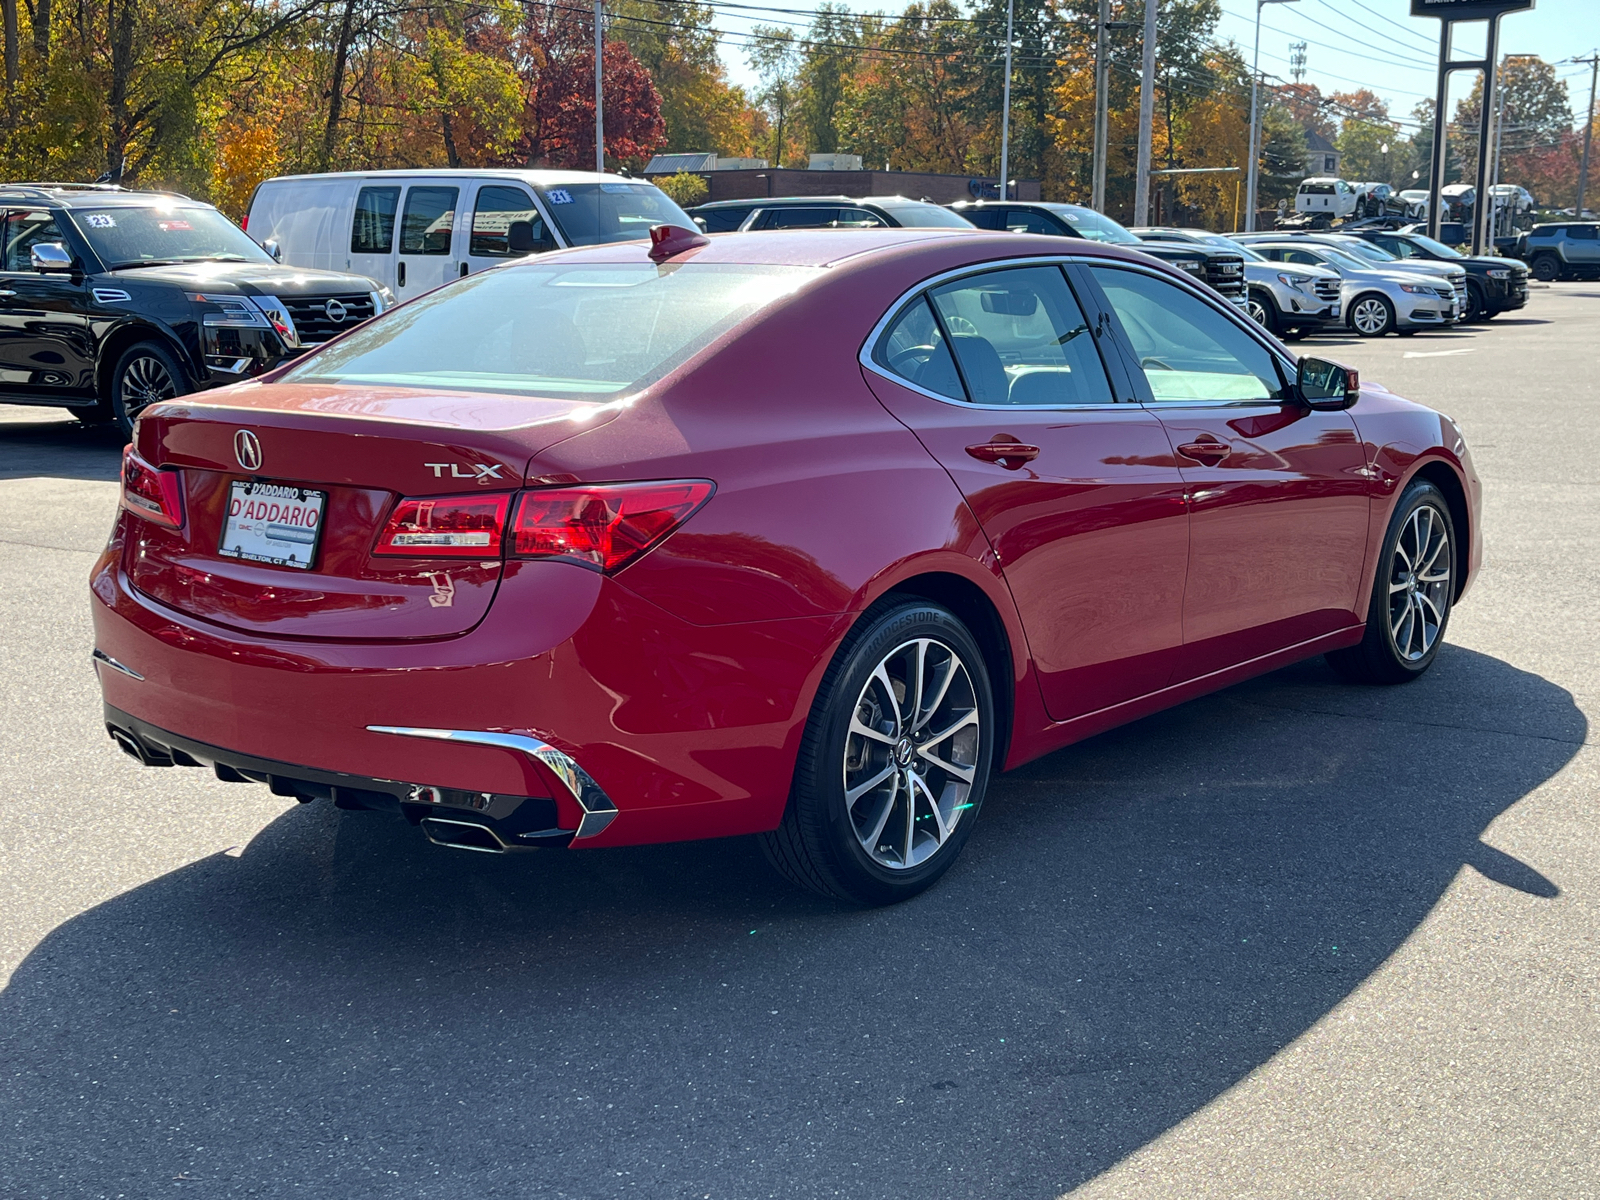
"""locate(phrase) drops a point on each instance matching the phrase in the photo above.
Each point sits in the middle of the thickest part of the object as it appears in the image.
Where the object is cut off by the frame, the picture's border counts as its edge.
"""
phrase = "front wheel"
(1372, 315)
(1474, 308)
(1411, 596)
(894, 762)
(1263, 311)
(1545, 269)
(146, 374)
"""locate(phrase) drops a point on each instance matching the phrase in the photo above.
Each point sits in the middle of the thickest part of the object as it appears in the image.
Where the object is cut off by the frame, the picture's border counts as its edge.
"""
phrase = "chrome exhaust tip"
(462, 835)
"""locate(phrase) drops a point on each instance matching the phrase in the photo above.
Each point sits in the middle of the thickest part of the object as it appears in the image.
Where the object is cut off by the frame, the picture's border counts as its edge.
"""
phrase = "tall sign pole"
(1147, 113)
(599, 94)
(1102, 62)
(1588, 133)
(1005, 105)
(1449, 14)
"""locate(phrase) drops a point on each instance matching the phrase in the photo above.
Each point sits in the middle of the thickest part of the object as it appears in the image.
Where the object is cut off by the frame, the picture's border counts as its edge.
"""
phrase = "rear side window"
(723, 220)
(1020, 338)
(1587, 233)
(429, 214)
(984, 218)
(22, 232)
(800, 218)
(496, 209)
(914, 349)
(372, 231)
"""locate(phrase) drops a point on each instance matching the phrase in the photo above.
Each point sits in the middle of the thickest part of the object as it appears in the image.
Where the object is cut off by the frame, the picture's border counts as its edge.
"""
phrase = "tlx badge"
(478, 472)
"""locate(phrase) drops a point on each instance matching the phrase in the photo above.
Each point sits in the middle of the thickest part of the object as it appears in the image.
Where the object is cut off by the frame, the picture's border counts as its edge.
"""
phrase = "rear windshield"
(549, 329)
(146, 237)
(1316, 189)
(590, 213)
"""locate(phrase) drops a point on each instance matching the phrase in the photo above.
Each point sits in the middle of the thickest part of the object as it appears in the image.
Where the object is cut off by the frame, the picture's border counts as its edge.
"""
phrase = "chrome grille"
(313, 322)
(1327, 290)
(1226, 275)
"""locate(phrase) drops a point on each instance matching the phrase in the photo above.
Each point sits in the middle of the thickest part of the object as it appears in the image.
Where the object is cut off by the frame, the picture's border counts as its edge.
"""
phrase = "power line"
(1408, 30)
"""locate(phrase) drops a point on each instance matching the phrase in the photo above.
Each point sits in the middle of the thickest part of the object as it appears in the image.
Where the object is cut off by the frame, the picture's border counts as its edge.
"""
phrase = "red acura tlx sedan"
(803, 535)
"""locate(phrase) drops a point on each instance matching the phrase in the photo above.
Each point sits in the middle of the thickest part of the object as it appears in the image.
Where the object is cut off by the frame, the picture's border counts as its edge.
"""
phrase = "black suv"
(112, 299)
(1494, 285)
(821, 212)
(1222, 269)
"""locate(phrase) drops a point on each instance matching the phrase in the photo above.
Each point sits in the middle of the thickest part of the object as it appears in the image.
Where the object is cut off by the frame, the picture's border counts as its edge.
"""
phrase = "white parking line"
(1436, 353)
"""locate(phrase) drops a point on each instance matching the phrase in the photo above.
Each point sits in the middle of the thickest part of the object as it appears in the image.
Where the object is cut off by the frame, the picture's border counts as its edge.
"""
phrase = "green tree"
(825, 75)
(775, 58)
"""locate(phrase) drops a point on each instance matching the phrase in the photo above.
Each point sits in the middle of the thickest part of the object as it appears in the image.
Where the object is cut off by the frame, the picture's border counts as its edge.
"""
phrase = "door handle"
(400, 274)
(1209, 453)
(1010, 455)
(6, 292)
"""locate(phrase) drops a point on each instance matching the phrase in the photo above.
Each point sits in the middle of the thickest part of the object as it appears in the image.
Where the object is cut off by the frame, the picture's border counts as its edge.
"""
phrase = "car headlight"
(382, 300)
(1499, 273)
(235, 312)
(1416, 289)
(1294, 281)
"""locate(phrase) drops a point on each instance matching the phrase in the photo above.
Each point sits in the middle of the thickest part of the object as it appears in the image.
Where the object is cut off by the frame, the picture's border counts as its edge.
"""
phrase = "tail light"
(446, 527)
(605, 526)
(154, 494)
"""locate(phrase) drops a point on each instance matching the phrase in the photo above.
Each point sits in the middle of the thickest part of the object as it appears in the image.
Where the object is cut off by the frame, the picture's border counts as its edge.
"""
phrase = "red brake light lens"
(446, 527)
(605, 526)
(153, 494)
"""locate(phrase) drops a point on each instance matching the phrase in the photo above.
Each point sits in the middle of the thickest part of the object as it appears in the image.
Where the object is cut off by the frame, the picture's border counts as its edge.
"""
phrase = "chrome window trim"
(901, 303)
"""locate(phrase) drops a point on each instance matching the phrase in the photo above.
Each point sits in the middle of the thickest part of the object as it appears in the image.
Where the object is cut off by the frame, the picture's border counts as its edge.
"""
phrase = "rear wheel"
(894, 763)
(1372, 315)
(1411, 596)
(146, 374)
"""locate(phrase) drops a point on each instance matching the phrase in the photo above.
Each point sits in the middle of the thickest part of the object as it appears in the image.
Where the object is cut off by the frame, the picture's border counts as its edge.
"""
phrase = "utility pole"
(1255, 123)
(599, 94)
(1097, 195)
(1005, 104)
(1588, 131)
(1147, 115)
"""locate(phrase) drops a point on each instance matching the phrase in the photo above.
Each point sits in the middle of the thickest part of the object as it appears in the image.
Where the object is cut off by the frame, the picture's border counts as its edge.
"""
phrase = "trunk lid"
(363, 449)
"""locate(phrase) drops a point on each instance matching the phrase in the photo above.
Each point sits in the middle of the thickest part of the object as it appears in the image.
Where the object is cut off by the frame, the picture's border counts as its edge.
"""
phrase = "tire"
(1546, 269)
(1371, 315)
(1264, 312)
(873, 849)
(1399, 648)
(146, 373)
(1474, 310)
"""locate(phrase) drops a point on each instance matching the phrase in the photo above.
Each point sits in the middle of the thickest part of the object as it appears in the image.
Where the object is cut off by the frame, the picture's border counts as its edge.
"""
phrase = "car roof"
(808, 201)
(537, 177)
(831, 247)
(68, 195)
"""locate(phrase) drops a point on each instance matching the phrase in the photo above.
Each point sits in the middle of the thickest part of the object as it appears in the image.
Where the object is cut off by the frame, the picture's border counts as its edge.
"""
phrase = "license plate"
(275, 523)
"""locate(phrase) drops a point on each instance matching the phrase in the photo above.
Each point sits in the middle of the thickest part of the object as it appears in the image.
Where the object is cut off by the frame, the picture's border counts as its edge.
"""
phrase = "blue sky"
(1350, 43)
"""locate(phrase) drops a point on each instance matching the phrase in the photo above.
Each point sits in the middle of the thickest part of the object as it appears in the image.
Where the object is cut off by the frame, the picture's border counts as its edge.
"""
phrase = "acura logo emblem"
(247, 450)
(336, 311)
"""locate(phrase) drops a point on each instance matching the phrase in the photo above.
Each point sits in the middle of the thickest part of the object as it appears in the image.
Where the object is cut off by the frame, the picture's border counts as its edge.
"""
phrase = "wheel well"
(968, 602)
(112, 349)
(1442, 477)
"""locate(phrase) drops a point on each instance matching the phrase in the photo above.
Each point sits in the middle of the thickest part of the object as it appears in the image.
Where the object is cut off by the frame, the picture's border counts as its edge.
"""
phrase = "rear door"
(44, 325)
(1086, 513)
(428, 255)
(496, 207)
(1279, 508)
(372, 232)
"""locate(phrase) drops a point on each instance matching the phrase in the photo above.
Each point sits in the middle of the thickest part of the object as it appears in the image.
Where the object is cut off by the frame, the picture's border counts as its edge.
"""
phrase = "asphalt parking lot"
(1295, 939)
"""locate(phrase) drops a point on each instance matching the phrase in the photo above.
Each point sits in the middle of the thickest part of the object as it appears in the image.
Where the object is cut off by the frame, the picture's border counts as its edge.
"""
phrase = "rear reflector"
(446, 527)
(604, 526)
(152, 494)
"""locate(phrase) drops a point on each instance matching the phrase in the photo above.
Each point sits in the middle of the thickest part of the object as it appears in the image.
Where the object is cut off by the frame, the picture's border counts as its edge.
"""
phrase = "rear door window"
(372, 230)
(429, 214)
(914, 348)
(723, 220)
(1585, 233)
(800, 218)
(1020, 220)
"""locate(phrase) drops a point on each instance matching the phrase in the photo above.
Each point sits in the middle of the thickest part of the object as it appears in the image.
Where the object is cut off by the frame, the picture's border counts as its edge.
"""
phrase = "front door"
(1087, 512)
(496, 207)
(1279, 508)
(44, 326)
(428, 256)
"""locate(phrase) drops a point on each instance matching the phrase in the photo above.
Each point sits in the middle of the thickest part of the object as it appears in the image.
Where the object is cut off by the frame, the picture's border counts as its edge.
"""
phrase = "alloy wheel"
(911, 753)
(1370, 316)
(145, 380)
(1258, 312)
(1419, 583)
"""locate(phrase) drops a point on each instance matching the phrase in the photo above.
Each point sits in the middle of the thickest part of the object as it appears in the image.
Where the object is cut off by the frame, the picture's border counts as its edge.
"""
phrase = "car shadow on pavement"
(1138, 922)
(52, 443)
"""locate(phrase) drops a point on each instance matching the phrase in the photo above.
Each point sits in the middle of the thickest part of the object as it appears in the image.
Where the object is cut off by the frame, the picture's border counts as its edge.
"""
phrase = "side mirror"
(271, 247)
(520, 239)
(1328, 386)
(51, 258)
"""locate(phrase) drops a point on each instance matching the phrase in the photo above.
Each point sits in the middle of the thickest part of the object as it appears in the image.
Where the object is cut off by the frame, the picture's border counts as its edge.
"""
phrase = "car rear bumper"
(690, 731)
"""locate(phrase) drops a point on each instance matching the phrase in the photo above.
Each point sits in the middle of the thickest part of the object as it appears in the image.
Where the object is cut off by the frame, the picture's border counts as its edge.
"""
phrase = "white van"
(1323, 196)
(414, 230)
